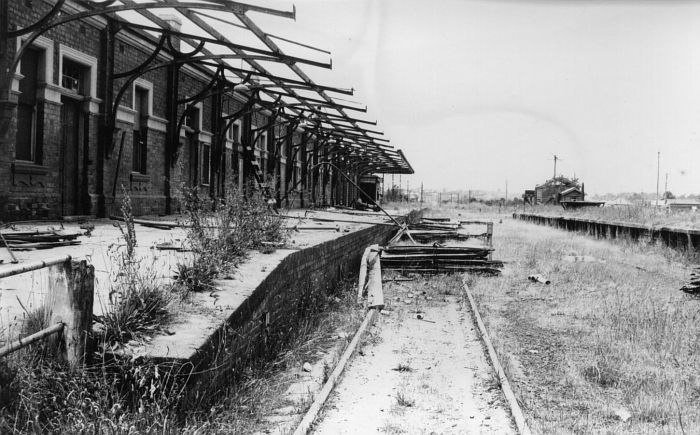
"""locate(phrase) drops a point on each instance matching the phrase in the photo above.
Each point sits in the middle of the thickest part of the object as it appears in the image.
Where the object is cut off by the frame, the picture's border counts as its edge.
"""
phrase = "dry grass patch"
(609, 346)
(648, 216)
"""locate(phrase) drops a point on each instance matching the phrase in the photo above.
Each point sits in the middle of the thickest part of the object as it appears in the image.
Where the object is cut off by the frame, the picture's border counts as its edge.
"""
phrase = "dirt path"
(419, 376)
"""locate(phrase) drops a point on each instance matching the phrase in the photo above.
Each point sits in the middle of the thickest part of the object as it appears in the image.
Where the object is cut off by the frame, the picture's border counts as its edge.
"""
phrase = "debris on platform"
(434, 256)
(29, 240)
(435, 259)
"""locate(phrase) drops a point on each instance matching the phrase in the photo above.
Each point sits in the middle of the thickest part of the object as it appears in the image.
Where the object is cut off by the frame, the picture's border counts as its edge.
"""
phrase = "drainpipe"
(7, 113)
(172, 135)
(106, 128)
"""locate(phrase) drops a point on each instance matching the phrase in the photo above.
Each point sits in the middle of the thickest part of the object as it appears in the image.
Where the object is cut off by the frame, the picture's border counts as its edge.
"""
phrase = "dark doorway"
(72, 126)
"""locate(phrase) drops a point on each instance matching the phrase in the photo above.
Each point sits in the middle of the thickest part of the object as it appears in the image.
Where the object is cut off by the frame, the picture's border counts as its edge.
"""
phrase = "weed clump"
(402, 399)
(222, 231)
(138, 303)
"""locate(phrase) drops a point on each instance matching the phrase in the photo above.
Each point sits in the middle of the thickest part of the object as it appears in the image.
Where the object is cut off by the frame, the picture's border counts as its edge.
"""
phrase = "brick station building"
(82, 122)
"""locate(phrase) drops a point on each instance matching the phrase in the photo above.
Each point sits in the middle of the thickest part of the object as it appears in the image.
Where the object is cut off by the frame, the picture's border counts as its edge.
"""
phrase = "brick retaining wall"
(275, 306)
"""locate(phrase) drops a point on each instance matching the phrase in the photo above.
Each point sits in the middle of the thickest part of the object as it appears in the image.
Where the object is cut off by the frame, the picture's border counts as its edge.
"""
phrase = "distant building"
(571, 194)
(529, 197)
(555, 190)
(681, 203)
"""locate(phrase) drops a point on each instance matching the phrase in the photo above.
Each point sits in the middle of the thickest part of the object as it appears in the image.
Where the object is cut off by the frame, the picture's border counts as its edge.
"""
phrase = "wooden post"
(489, 231)
(73, 296)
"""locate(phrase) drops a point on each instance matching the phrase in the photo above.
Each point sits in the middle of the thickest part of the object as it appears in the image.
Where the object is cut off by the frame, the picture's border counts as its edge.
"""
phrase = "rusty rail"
(73, 284)
(32, 265)
(30, 339)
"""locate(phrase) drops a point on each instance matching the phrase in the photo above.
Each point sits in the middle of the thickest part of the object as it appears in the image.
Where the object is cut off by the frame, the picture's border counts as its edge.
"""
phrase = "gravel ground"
(417, 376)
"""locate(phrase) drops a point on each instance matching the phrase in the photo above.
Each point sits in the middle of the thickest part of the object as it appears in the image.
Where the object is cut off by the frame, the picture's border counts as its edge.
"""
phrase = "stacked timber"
(436, 219)
(437, 259)
(29, 240)
(430, 236)
(435, 224)
(693, 286)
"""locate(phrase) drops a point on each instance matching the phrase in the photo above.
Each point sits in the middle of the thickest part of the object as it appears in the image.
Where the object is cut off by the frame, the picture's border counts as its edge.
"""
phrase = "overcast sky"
(477, 92)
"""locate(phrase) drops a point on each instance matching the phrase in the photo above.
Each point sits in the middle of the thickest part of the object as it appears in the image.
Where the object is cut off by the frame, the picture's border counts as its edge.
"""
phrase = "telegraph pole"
(658, 161)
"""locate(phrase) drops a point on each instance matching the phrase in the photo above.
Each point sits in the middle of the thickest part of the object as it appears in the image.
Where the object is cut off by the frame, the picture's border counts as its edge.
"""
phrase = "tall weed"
(222, 231)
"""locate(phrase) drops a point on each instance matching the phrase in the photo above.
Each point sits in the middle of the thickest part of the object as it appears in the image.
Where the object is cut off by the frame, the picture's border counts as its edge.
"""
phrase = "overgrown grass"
(222, 232)
(40, 395)
(648, 216)
(138, 302)
(403, 399)
(607, 338)
(133, 395)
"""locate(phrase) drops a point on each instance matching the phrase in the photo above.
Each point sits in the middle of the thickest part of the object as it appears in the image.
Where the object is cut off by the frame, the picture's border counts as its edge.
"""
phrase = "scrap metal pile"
(432, 256)
(693, 286)
(436, 259)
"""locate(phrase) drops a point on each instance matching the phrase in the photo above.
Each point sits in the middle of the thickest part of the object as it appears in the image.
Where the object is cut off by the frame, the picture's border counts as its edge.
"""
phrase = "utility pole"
(421, 194)
(658, 162)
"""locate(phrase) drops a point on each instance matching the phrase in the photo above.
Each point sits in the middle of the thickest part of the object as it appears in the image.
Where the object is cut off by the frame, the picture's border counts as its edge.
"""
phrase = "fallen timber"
(349, 221)
(491, 271)
(428, 236)
(440, 259)
(449, 226)
(29, 240)
(436, 219)
(161, 225)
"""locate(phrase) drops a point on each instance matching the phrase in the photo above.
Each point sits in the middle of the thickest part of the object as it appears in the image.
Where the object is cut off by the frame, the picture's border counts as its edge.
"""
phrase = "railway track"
(421, 366)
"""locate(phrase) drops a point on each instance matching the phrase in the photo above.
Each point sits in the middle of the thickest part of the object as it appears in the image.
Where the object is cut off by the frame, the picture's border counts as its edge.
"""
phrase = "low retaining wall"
(685, 239)
(271, 312)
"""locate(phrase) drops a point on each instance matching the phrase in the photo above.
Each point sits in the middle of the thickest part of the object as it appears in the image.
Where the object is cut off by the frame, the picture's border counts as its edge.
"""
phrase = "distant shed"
(682, 204)
(571, 194)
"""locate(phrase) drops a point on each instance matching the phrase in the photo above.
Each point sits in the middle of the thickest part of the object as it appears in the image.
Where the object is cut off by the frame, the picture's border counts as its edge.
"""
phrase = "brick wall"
(279, 299)
(29, 191)
(34, 192)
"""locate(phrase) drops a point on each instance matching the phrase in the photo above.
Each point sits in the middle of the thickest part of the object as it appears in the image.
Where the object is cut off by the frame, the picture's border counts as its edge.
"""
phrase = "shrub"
(220, 232)
(198, 276)
(138, 303)
(137, 308)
